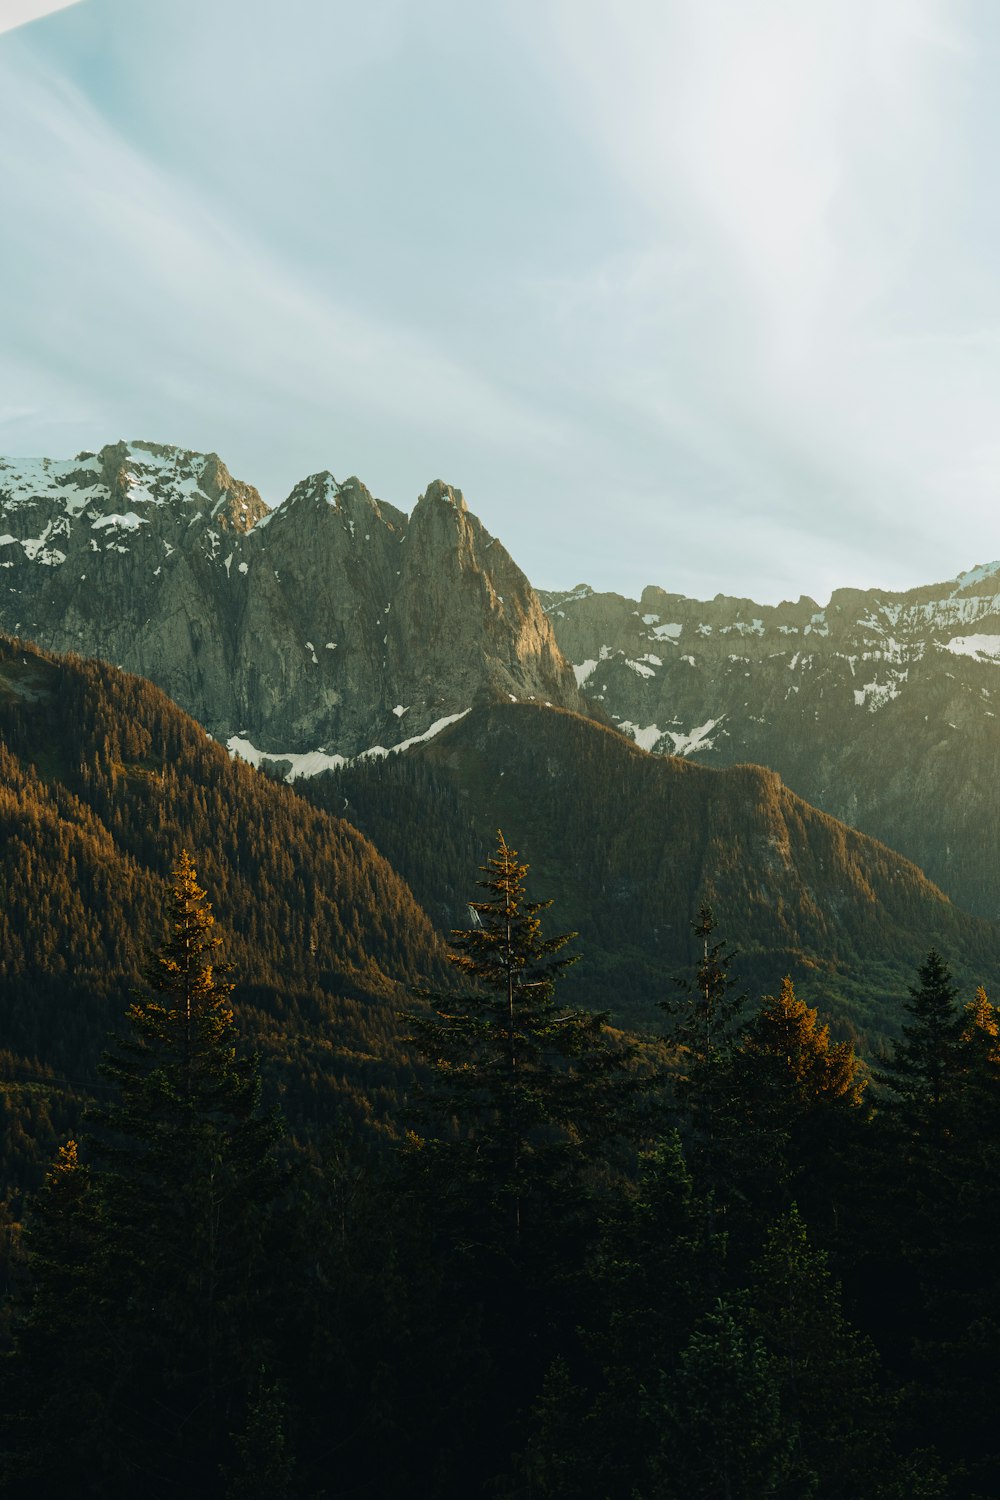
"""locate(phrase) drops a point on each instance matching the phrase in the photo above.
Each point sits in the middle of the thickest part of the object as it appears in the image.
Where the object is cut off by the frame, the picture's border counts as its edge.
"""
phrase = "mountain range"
(630, 844)
(880, 708)
(325, 634)
(332, 625)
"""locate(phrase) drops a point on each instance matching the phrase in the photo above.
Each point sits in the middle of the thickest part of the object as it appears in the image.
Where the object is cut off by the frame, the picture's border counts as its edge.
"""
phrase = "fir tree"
(793, 1099)
(172, 1248)
(704, 1023)
(921, 1070)
(653, 1272)
(956, 1341)
(525, 1091)
(54, 1381)
(827, 1373)
(526, 1098)
(723, 1435)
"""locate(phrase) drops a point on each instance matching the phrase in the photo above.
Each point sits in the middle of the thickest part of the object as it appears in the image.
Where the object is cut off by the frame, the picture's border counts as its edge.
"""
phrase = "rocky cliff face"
(330, 626)
(880, 709)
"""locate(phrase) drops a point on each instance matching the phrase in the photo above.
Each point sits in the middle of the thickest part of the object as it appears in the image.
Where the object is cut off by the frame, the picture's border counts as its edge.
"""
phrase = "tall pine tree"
(167, 1234)
(526, 1092)
(921, 1071)
(526, 1101)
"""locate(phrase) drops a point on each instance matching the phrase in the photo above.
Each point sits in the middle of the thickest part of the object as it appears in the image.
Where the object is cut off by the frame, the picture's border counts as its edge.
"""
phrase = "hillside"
(102, 782)
(630, 843)
(879, 708)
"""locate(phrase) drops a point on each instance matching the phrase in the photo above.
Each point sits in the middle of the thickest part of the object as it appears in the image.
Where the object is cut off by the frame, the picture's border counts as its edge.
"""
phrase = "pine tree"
(703, 1026)
(704, 1018)
(957, 1338)
(652, 1273)
(54, 1381)
(827, 1373)
(921, 1070)
(526, 1102)
(723, 1435)
(182, 1175)
(793, 1099)
(526, 1091)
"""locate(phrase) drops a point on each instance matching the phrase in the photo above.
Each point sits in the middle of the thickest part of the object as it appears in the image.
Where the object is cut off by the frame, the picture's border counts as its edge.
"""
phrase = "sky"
(700, 293)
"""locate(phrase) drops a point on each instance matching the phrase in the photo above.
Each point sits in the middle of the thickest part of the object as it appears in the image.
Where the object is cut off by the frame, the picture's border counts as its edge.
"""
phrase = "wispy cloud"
(20, 12)
(804, 166)
(135, 277)
(695, 293)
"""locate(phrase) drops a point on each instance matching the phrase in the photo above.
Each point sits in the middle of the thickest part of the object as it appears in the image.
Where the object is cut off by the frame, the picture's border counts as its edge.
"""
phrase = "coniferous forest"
(487, 1024)
(302, 1200)
(731, 1266)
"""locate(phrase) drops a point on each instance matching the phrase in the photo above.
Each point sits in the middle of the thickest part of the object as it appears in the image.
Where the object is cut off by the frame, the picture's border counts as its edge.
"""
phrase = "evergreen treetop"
(921, 1070)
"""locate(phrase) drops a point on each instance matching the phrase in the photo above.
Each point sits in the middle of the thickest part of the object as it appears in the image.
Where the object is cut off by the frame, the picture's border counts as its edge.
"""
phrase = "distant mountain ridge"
(289, 630)
(881, 709)
(629, 845)
(336, 626)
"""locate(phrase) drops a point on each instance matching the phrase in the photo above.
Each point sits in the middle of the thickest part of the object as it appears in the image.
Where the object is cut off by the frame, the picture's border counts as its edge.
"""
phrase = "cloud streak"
(19, 12)
(704, 295)
(195, 317)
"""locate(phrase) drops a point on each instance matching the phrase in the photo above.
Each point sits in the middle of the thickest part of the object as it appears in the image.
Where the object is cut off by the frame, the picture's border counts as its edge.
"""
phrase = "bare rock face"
(480, 621)
(334, 624)
(881, 708)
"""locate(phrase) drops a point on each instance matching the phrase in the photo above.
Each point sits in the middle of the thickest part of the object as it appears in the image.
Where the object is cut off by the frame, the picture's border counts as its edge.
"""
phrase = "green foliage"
(704, 1029)
(921, 1069)
(102, 783)
(723, 1433)
(263, 1469)
(525, 1091)
(624, 841)
(793, 1104)
(152, 1269)
(527, 1104)
(827, 1374)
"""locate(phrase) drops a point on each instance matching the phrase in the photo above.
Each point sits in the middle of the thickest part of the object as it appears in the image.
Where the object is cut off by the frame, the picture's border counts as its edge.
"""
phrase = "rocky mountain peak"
(984, 578)
(236, 506)
(307, 633)
(439, 493)
(881, 707)
(350, 500)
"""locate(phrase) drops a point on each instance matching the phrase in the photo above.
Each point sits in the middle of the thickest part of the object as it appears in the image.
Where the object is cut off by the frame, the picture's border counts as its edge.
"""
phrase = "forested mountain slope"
(880, 708)
(103, 781)
(630, 843)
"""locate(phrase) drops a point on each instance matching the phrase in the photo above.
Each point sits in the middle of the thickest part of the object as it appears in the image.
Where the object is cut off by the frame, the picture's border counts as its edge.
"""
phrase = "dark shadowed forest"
(729, 1264)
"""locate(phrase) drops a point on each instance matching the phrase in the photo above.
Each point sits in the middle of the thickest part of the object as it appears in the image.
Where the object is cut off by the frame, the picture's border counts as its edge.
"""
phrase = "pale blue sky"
(704, 293)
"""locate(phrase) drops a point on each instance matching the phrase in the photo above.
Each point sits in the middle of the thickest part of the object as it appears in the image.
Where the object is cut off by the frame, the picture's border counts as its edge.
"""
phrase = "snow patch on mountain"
(128, 522)
(976, 575)
(379, 752)
(582, 591)
(315, 762)
(646, 739)
(979, 646)
(697, 739)
(45, 478)
(875, 695)
(649, 736)
(310, 763)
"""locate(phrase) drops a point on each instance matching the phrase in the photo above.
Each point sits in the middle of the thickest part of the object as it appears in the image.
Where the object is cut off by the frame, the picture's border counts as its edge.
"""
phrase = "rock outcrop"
(881, 709)
(332, 625)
